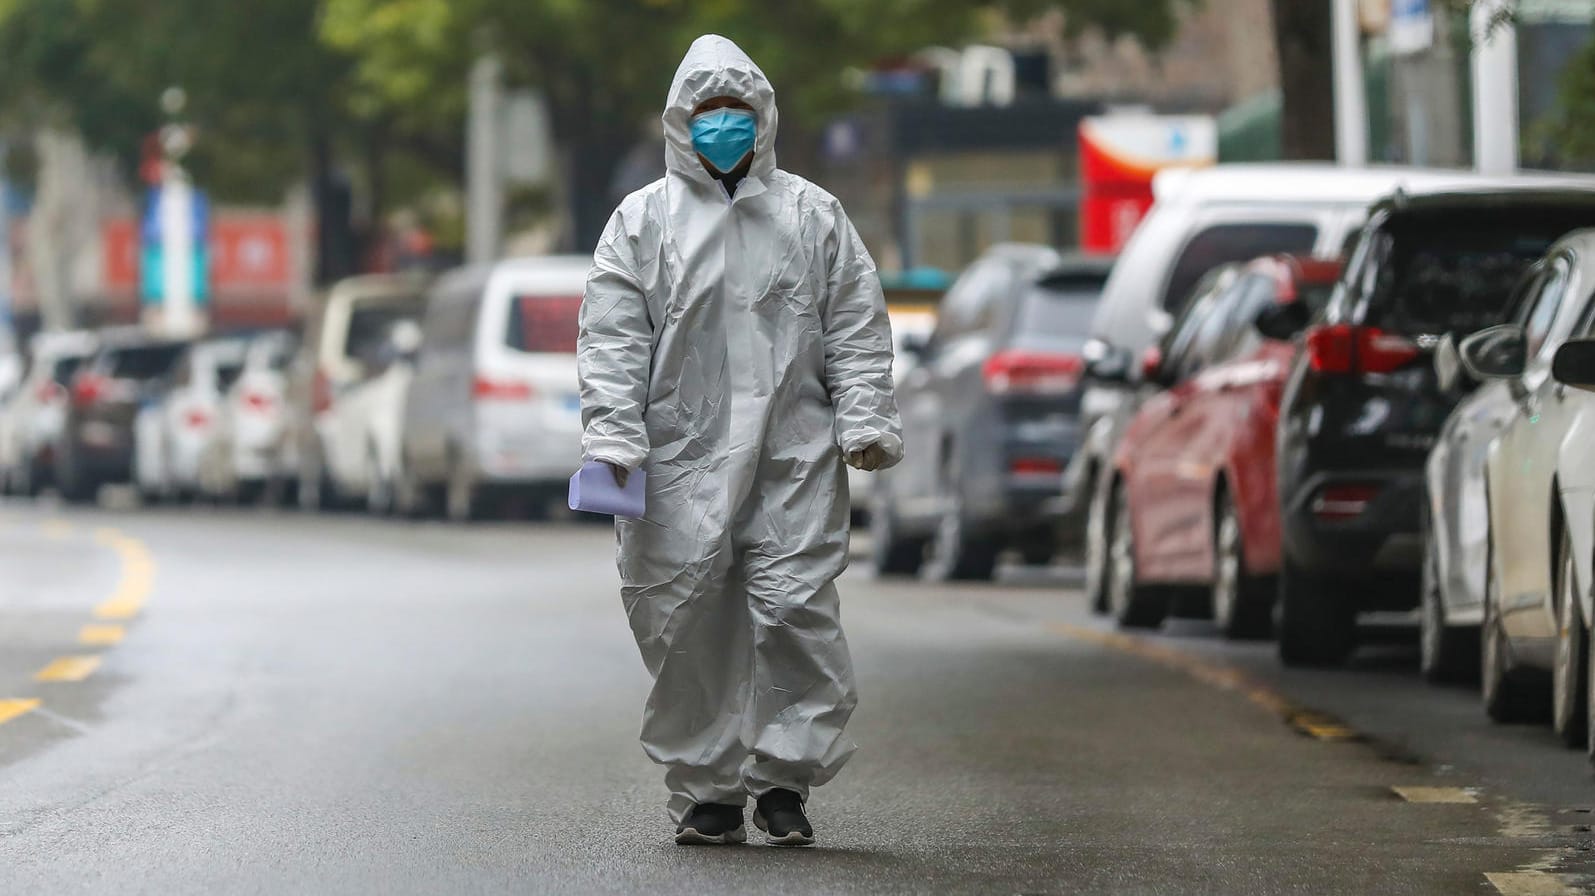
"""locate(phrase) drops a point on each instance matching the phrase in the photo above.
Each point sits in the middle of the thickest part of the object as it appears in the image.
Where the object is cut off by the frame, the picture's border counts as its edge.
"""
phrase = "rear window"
(544, 324)
(369, 324)
(1458, 271)
(145, 362)
(227, 374)
(1048, 315)
(63, 370)
(1226, 243)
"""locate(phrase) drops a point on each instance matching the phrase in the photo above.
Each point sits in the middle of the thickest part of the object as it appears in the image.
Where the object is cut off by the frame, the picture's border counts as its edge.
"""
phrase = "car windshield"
(1054, 315)
(144, 362)
(1457, 271)
(542, 324)
(369, 324)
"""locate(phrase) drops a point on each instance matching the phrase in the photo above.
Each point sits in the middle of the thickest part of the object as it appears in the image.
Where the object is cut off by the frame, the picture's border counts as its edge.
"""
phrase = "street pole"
(484, 175)
(1351, 105)
(1495, 124)
(176, 218)
(7, 307)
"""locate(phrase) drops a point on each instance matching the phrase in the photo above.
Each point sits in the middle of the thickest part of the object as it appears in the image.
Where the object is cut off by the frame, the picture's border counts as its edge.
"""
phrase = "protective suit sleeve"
(615, 353)
(858, 349)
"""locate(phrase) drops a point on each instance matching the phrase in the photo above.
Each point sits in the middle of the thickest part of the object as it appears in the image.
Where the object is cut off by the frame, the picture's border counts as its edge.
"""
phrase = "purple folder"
(593, 490)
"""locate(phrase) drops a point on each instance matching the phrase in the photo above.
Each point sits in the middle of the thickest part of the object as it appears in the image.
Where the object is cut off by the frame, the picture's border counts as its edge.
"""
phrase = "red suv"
(1193, 501)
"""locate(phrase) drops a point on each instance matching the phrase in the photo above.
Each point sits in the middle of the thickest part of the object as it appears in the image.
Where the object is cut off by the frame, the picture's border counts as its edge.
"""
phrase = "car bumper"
(1383, 538)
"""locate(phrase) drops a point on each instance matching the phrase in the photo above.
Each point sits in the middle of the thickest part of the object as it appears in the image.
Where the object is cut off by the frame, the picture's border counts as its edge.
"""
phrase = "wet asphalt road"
(341, 705)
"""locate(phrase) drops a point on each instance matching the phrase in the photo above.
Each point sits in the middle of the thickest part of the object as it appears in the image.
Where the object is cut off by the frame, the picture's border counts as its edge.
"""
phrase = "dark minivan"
(1362, 406)
(989, 417)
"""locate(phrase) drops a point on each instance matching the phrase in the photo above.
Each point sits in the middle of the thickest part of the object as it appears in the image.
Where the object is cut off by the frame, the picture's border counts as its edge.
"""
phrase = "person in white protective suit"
(734, 342)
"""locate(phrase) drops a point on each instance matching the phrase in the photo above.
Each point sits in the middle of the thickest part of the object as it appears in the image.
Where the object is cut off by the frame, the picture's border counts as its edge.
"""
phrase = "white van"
(493, 410)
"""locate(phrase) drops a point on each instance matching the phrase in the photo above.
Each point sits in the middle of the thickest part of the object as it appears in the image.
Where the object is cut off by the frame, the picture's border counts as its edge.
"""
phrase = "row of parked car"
(454, 395)
(1302, 395)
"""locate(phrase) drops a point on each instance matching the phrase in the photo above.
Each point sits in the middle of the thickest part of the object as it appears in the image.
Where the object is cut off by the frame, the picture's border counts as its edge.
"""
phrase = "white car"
(494, 410)
(910, 330)
(245, 452)
(1457, 526)
(172, 431)
(1539, 486)
(370, 417)
(32, 420)
(348, 328)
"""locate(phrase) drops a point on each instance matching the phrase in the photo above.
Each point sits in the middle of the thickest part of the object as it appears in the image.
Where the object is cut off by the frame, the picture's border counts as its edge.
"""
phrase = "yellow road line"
(138, 576)
(101, 635)
(10, 709)
(1435, 794)
(56, 530)
(1224, 677)
(1534, 883)
(68, 668)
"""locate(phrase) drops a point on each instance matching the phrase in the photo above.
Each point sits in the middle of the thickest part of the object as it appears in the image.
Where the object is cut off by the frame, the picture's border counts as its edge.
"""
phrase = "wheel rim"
(949, 537)
(1096, 549)
(1121, 558)
(1565, 678)
(1227, 578)
(1491, 654)
(1429, 622)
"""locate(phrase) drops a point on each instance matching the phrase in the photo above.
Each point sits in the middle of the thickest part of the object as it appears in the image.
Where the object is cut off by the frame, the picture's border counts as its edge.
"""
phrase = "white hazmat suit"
(736, 347)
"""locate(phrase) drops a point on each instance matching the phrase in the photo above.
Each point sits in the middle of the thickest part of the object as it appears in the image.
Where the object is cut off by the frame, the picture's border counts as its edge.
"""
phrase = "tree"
(1302, 40)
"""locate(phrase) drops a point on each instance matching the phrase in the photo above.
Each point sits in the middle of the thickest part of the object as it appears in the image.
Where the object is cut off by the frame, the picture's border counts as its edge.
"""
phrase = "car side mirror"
(1448, 369)
(1105, 362)
(1574, 364)
(1496, 353)
(1282, 320)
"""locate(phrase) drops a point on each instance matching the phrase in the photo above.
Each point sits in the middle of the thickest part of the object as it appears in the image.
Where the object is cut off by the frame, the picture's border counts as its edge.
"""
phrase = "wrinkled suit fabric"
(736, 348)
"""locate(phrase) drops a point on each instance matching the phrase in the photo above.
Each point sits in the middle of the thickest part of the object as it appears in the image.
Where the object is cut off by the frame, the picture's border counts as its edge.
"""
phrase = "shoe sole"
(691, 837)
(796, 838)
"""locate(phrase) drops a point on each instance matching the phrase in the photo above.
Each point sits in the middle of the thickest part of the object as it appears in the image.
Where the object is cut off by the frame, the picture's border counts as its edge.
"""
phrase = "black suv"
(96, 446)
(1362, 406)
(989, 418)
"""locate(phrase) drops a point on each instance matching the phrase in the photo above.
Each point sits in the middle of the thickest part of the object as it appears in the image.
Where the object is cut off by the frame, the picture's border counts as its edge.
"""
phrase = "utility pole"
(1351, 104)
(1495, 124)
(484, 173)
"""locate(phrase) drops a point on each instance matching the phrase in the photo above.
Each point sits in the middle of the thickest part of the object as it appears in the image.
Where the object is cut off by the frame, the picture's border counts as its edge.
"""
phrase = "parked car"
(1202, 219)
(1456, 527)
(245, 454)
(1363, 406)
(911, 329)
(96, 444)
(179, 417)
(372, 418)
(493, 411)
(345, 329)
(31, 422)
(1193, 499)
(989, 418)
(1534, 621)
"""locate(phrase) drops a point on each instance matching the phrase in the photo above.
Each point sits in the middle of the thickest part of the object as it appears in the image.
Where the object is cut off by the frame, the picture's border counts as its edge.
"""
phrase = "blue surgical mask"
(724, 136)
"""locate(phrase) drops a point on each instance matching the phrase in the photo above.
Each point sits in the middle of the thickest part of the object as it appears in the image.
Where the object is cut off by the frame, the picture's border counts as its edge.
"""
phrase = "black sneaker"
(712, 824)
(779, 814)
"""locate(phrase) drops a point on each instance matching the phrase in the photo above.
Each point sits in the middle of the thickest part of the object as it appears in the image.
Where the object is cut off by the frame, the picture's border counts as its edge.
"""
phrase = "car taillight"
(1032, 373)
(484, 388)
(1343, 348)
(1035, 466)
(1343, 502)
(89, 388)
(196, 418)
(320, 392)
(259, 402)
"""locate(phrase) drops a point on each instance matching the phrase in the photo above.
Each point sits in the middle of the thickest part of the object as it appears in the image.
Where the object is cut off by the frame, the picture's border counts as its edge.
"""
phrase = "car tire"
(71, 480)
(1317, 626)
(1570, 670)
(891, 553)
(411, 498)
(1447, 654)
(1131, 603)
(1039, 548)
(958, 555)
(1243, 605)
(1509, 694)
(1099, 521)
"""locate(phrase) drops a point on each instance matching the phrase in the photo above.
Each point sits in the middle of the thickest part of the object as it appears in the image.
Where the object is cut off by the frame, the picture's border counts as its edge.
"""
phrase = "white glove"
(869, 458)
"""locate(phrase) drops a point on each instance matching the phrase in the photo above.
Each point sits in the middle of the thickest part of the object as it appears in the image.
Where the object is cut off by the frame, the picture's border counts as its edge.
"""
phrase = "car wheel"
(1039, 548)
(1570, 671)
(1132, 604)
(74, 483)
(1242, 604)
(461, 501)
(1508, 695)
(957, 554)
(891, 553)
(1098, 520)
(1317, 622)
(1447, 654)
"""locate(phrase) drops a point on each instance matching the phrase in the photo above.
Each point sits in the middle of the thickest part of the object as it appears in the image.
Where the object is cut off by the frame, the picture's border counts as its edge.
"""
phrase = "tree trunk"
(1306, 78)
